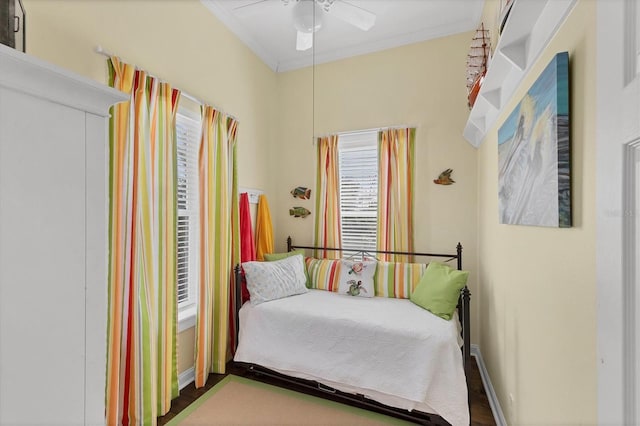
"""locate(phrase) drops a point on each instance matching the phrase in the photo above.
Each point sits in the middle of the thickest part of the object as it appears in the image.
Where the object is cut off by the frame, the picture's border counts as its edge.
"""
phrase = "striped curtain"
(395, 192)
(141, 337)
(327, 226)
(219, 242)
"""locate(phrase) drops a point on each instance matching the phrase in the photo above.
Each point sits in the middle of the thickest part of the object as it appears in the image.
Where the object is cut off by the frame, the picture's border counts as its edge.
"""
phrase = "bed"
(380, 353)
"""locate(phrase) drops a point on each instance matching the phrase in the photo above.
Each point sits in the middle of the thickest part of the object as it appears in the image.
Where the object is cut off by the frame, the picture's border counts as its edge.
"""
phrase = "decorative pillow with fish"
(356, 278)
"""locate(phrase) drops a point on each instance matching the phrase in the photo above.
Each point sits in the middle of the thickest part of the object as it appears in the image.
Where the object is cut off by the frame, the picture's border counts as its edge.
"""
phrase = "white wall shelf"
(529, 28)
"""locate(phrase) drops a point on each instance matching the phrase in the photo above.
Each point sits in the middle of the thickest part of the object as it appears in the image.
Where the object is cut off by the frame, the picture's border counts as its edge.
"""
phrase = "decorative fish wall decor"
(299, 212)
(445, 178)
(301, 192)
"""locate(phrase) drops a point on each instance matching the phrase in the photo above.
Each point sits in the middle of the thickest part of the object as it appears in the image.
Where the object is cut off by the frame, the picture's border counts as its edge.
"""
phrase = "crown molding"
(320, 57)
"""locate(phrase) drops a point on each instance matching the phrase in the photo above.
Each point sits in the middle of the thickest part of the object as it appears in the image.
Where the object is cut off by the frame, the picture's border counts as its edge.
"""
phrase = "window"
(358, 167)
(188, 139)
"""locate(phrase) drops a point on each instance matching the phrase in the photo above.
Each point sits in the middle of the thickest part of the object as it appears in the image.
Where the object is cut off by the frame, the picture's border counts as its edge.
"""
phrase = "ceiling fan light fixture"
(307, 16)
(325, 4)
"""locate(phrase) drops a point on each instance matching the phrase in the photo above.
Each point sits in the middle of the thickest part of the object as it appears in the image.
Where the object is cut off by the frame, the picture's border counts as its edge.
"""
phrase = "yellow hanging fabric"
(264, 229)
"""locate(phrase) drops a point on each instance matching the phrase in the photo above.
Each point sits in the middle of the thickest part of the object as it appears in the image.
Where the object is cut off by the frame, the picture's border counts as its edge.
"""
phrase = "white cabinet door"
(42, 261)
(97, 220)
(618, 139)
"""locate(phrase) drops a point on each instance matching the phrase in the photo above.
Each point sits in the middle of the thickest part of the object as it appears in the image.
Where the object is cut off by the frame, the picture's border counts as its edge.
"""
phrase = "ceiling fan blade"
(253, 3)
(354, 15)
(304, 41)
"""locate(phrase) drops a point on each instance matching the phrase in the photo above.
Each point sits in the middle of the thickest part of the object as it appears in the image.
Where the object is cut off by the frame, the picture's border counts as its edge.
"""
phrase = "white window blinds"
(358, 167)
(188, 139)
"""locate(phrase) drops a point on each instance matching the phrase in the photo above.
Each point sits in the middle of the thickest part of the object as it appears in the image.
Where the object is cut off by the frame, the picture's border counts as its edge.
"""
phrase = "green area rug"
(240, 401)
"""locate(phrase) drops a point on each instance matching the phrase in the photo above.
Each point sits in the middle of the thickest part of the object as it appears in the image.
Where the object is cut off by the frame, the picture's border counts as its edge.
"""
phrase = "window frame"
(187, 308)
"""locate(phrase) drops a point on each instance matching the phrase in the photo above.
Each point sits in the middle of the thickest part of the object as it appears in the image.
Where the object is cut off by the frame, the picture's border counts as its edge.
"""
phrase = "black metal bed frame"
(356, 399)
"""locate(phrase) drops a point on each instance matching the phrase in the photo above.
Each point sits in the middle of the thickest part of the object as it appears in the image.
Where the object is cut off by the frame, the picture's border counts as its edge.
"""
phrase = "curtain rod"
(101, 51)
(373, 129)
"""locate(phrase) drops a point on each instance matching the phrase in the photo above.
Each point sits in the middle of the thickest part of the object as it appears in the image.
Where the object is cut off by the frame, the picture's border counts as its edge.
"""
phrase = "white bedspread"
(390, 350)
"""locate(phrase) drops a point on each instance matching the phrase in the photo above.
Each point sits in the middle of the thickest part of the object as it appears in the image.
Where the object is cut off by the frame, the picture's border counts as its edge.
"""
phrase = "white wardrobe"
(53, 243)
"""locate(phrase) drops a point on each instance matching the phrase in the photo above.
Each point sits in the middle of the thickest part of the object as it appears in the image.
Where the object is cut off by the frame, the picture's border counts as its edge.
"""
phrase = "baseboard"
(486, 382)
(188, 376)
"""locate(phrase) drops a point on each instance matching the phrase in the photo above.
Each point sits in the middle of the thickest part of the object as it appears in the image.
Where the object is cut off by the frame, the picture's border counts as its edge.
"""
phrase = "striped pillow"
(324, 274)
(397, 280)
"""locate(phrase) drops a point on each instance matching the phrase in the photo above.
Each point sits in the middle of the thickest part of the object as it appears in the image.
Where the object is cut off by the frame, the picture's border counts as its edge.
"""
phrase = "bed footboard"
(464, 314)
(466, 330)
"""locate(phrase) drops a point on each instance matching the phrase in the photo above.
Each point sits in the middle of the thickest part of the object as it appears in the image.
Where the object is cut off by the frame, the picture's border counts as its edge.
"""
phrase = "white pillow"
(275, 280)
(356, 278)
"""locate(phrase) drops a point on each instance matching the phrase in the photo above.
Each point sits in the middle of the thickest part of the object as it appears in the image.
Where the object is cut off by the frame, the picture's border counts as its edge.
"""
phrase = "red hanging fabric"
(247, 247)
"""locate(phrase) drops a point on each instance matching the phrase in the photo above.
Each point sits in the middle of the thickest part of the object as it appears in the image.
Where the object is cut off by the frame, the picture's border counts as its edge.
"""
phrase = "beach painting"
(534, 155)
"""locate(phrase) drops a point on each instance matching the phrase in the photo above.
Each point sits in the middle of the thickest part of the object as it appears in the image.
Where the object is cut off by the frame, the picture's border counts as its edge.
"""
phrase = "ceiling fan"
(308, 16)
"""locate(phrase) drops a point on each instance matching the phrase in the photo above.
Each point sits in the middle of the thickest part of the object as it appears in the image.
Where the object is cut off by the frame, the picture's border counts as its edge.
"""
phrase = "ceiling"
(266, 27)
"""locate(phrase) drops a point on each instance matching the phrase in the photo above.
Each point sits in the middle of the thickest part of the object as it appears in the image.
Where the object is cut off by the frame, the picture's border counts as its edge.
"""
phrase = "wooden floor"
(481, 414)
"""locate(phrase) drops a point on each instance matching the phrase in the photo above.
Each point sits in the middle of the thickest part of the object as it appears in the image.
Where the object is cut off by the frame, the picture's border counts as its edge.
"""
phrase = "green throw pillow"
(270, 257)
(439, 289)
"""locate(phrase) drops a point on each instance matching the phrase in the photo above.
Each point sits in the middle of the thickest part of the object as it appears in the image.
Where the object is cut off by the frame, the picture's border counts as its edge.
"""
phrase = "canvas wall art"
(534, 156)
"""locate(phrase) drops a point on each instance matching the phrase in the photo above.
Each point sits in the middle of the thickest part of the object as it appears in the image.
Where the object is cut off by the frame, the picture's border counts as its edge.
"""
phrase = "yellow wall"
(537, 285)
(186, 343)
(181, 42)
(421, 85)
